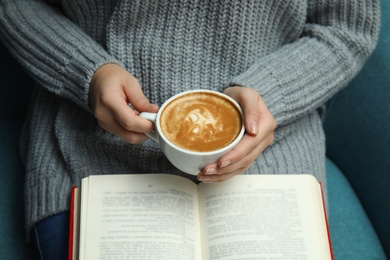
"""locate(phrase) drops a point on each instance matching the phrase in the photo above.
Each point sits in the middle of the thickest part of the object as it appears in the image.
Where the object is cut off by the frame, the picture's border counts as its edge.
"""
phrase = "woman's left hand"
(260, 126)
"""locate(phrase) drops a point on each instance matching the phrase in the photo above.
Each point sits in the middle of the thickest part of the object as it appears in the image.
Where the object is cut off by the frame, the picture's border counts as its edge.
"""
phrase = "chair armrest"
(357, 128)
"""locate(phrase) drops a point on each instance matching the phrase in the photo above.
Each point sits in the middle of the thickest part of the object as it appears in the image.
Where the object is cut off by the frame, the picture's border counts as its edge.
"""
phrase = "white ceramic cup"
(190, 162)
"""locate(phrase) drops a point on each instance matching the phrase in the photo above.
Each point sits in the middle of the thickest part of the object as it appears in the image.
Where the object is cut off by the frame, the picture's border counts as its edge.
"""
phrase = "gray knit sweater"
(296, 54)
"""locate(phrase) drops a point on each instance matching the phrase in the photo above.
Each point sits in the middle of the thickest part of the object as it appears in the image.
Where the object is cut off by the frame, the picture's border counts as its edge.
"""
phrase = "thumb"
(252, 115)
(137, 98)
(249, 102)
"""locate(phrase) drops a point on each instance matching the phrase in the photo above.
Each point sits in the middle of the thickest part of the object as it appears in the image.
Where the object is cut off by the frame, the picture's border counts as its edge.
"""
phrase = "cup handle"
(151, 117)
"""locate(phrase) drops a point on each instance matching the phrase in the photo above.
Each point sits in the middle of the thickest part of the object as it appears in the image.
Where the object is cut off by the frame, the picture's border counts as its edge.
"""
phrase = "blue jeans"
(51, 237)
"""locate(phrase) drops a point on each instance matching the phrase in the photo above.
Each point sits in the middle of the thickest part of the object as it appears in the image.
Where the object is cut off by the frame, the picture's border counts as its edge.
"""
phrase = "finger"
(217, 178)
(244, 156)
(137, 98)
(243, 162)
(252, 116)
(240, 157)
(249, 100)
(127, 118)
(131, 137)
(267, 125)
(115, 116)
(247, 145)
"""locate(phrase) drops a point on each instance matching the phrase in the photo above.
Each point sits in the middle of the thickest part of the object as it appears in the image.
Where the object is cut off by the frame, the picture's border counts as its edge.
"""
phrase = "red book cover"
(72, 225)
(327, 223)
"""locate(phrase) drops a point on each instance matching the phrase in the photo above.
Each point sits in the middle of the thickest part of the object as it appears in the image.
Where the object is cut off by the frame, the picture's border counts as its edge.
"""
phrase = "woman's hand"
(260, 126)
(112, 88)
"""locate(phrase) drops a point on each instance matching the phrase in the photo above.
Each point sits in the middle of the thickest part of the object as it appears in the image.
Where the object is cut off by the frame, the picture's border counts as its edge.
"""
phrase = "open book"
(160, 216)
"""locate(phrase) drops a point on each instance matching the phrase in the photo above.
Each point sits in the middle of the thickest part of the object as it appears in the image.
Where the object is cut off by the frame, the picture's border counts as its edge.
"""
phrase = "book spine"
(327, 223)
(71, 225)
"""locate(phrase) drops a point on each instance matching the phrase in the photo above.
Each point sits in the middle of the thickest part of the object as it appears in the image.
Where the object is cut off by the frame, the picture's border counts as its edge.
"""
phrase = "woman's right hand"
(111, 90)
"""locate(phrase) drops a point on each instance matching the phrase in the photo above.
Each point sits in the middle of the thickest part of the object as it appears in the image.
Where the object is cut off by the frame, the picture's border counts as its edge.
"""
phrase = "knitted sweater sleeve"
(299, 77)
(53, 50)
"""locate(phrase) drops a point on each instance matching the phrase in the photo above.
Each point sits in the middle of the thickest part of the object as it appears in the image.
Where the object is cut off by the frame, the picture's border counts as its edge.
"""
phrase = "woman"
(281, 60)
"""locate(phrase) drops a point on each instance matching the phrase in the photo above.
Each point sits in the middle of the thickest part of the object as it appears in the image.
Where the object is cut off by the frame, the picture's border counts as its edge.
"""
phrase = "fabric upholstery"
(351, 231)
(357, 126)
(13, 244)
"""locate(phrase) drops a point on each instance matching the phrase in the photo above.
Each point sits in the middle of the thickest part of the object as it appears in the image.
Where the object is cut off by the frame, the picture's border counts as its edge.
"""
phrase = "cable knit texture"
(296, 54)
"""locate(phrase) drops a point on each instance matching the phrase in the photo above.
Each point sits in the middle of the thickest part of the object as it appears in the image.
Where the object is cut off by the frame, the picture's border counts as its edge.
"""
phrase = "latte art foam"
(201, 122)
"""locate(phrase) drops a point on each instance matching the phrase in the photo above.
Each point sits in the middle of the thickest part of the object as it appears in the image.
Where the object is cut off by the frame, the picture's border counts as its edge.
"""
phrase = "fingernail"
(253, 128)
(225, 163)
(211, 171)
(205, 178)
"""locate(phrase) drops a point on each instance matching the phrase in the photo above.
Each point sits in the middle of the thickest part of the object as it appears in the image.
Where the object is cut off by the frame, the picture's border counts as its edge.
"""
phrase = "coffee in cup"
(201, 121)
(197, 127)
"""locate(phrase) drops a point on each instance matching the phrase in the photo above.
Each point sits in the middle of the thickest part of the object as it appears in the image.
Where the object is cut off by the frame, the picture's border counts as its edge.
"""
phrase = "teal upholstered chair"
(357, 125)
(15, 89)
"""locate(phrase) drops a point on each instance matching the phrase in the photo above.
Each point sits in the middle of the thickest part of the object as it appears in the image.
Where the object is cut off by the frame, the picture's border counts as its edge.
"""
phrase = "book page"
(267, 216)
(149, 216)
